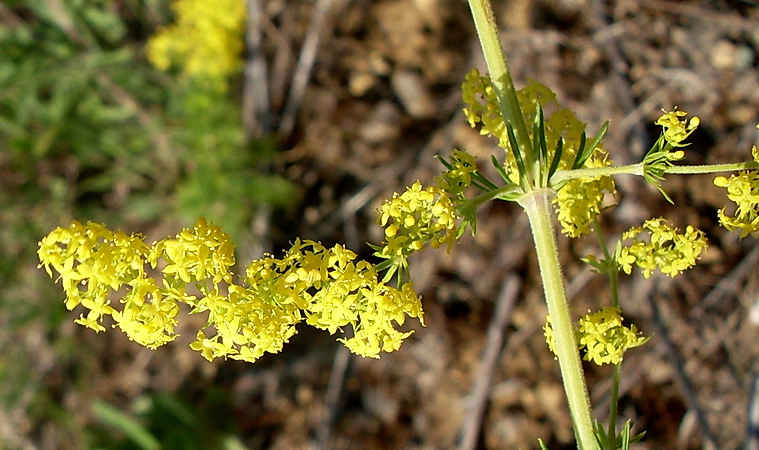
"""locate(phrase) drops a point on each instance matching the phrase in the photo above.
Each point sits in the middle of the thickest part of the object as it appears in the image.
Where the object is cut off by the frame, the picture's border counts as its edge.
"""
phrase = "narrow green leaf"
(445, 163)
(487, 184)
(517, 156)
(126, 424)
(584, 153)
(556, 158)
(501, 171)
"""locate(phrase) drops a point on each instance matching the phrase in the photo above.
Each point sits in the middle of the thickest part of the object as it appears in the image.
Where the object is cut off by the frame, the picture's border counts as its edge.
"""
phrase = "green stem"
(712, 168)
(495, 59)
(637, 169)
(612, 269)
(537, 204)
(612, 431)
(631, 169)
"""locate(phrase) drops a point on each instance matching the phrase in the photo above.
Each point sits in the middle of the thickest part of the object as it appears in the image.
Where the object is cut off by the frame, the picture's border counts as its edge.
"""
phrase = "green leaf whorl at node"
(557, 142)
(666, 150)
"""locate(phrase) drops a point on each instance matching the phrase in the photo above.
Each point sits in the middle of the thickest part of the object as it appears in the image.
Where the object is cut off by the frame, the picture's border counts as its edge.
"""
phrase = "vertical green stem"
(487, 32)
(537, 204)
(612, 431)
(613, 272)
(611, 264)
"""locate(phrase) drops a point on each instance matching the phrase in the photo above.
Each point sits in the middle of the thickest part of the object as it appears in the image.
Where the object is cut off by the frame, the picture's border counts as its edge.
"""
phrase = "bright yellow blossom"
(415, 218)
(665, 249)
(458, 175)
(581, 200)
(675, 128)
(578, 201)
(327, 287)
(206, 40)
(743, 189)
(601, 336)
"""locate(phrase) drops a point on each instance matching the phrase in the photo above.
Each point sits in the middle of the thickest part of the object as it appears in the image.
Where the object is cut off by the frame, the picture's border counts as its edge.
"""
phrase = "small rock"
(726, 55)
(413, 94)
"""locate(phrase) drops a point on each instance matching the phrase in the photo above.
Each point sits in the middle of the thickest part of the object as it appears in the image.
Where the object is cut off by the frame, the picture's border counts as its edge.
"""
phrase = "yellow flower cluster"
(666, 151)
(458, 176)
(415, 218)
(675, 128)
(579, 201)
(325, 286)
(482, 107)
(666, 249)
(743, 189)
(205, 41)
(601, 336)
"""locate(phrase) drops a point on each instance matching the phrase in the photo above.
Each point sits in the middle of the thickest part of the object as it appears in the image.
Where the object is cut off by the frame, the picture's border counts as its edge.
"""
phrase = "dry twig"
(305, 64)
(681, 375)
(470, 430)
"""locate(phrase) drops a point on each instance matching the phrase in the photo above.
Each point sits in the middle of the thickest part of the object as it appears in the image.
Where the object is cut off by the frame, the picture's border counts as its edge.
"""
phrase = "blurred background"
(279, 119)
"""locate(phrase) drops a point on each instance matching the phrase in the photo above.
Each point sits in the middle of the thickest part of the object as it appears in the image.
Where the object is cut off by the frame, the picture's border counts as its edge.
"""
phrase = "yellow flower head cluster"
(743, 189)
(325, 286)
(333, 290)
(482, 107)
(675, 128)
(455, 179)
(579, 201)
(601, 336)
(205, 41)
(416, 217)
(665, 249)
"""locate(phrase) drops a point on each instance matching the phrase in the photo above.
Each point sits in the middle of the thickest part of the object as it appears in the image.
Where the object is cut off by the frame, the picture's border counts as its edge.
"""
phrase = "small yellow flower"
(197, 255)
(581, 200)
(209, 348)
(601, 336)
(548, 333)
(91, 261)
(455, 179)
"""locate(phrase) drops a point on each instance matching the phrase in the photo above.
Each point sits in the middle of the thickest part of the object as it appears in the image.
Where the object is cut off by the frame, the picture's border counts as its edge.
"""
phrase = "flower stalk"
(638, 169)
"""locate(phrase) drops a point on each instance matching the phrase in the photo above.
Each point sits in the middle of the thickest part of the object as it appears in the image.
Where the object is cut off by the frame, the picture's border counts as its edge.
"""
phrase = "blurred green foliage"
(89, 130)
(164, 421)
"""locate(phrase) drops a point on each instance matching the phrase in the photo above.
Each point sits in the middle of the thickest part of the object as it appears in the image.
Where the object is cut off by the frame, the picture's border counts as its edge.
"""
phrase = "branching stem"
(637, 169)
